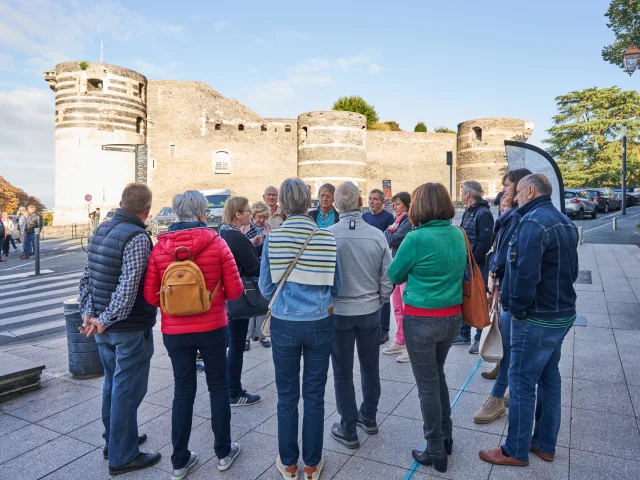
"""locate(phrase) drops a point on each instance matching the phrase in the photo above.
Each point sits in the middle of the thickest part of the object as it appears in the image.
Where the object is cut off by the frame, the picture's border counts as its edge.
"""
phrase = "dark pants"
(126, 359)
(535, 355)
(361, 330)
(235, 355)
(428, 341)
(501, 384)
(28, 247)
(182, 351)
(6, 242)
(465, 332)
(385, 317)
(313, 341)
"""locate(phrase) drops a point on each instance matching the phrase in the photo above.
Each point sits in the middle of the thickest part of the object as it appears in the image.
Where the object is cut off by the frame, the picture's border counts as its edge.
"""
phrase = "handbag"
(475, 310)
(250, 304)
(266, 325)
(491, 341)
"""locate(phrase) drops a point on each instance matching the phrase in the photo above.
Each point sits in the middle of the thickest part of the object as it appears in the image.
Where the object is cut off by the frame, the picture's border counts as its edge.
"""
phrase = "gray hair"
(378, 192)
(540, 182)
(328, 187)
(190, 206)
(473, 188)
(136, 198)
(295, 196)
(347, 196)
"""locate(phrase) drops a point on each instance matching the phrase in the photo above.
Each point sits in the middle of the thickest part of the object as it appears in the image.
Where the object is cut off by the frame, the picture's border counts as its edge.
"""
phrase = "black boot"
(448, 445)
(144, 460)
(437, 459)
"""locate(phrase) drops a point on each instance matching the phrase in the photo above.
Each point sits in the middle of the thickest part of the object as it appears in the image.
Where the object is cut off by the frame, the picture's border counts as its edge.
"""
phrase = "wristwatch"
(493, 274)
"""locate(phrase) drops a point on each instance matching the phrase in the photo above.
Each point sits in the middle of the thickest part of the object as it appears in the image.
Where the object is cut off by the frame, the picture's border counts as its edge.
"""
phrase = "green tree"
(585, 139)
(624, 20)
(443, 129)
(357, 104)
(420, 127)
(395, 126)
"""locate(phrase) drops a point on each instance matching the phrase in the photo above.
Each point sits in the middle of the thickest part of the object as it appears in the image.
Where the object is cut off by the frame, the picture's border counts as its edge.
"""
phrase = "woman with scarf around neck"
(395, 234)
(257, 229)
(237, 214)
(302, 325)
(206, 332)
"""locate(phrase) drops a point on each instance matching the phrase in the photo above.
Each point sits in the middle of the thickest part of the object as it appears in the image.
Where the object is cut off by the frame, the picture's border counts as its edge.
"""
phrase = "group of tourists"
(24, 230)
(329, 275)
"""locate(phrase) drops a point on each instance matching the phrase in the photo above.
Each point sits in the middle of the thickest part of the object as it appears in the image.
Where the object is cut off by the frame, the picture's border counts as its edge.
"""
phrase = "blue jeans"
(500, 387)
(235, 355)
(291, 340)
(428, 341)
(385, 317)
(182, 351)
(363, 331)
(28, 246)
(535, 354)
(126, 358)
(465, 332)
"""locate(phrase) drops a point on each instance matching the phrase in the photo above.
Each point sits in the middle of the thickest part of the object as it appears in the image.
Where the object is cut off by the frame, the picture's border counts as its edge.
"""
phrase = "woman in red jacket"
(206, 332)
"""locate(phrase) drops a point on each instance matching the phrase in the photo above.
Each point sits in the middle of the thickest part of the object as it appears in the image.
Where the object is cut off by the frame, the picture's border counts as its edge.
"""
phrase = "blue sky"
(439, 62)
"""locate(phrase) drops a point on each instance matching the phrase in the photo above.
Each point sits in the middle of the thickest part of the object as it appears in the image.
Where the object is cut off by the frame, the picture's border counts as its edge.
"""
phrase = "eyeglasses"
(326, 197)
(246, 211)
(207, 212)
(263, 217)
(271, 195)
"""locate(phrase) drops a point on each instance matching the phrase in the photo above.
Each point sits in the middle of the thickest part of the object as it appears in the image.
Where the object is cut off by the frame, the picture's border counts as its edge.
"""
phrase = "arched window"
(141, 91)
(139, 125)
(218, 126)
(221, 161)
(287, 128)
(478, 133)
(241, 128)
(263, 128)
(303, 135)
(94, 84)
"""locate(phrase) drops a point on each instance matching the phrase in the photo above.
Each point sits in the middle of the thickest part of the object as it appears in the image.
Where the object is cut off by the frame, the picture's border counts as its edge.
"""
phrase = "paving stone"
(590, 296)
(623, 308)
(634, 392)
(620, 297)
(96, 382)
(594, 369)
(90, 433)
(90, 466)
(566, 391)
(391, 394)
(604, 352)
(632, 372)
(333, 462)
(334, 445)
(356, 467)
(591, 307)
(9, 424)
(593, 466)
(597, 335)
(410, 406)
(159, 379)
(564, 435)
(24, 440)
(259, 377)
(595, 287)
(599, 320)
(398, 372)
(250, 417)
(74, 417)
(159, 431)
(625, 321)
(258, 453)
(605, 432)
(478, 384)
(162, 361)
(163, 398)
(465, 408)
(603, 397)
(249, 363)
(460, 354)
(538, 469)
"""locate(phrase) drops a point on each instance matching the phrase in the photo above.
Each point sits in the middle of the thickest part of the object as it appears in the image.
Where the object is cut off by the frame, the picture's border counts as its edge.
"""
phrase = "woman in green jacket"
(431, 260)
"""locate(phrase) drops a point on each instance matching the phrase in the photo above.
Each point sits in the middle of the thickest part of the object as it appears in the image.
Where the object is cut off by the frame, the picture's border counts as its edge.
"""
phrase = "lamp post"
(624, 170)
(631, 57)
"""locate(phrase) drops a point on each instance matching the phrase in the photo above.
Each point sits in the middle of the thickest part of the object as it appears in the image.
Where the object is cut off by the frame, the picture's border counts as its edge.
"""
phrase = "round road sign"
(88, 197)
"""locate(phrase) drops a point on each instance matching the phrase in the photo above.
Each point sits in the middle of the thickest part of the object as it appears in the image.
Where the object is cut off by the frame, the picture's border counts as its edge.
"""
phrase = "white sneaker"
(403, 357)
(182, 472)
(394, 349)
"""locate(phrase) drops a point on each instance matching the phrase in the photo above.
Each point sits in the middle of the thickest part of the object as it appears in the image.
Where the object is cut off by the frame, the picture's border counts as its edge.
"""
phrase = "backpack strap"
(175, 254)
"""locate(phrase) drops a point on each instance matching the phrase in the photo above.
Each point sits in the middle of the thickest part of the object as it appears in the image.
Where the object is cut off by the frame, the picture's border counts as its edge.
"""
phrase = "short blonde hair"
(260, 208)
(232, 206)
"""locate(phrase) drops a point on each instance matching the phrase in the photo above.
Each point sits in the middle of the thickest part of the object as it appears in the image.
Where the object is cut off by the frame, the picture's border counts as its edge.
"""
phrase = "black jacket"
(33, 221)
(477, 222)
(106, 250)
(314, 214)
(244, 253)
(394, 239)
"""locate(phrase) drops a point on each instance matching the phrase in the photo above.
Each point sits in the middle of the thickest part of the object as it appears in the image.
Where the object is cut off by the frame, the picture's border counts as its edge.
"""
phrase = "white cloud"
(259, 40)
(6, 61)
(220, 25)
(375, 68)
(148, 69)
(292, 35)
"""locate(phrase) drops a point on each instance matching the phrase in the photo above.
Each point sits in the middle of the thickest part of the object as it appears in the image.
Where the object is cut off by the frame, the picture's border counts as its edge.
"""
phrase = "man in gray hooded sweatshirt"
(364, 258)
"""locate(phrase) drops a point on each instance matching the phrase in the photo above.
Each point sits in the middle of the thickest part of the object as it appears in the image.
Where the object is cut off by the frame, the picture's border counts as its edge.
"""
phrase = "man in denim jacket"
(542, 266)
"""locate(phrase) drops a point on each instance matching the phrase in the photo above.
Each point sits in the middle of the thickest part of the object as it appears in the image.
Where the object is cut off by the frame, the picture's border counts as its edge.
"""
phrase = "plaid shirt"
(134, 264)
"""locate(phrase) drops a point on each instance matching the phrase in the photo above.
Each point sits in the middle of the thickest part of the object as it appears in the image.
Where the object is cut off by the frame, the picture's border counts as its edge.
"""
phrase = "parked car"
(109, 215)
(606, 199)
(160, 223)
(216, 199)
(633, 197)
(578, 203)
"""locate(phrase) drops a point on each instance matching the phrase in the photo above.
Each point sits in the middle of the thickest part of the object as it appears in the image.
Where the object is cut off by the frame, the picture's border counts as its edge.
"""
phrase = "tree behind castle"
(12, 197)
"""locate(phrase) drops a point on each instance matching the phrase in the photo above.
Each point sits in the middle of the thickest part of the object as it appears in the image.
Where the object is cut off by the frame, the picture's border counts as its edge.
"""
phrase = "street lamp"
(631, 56)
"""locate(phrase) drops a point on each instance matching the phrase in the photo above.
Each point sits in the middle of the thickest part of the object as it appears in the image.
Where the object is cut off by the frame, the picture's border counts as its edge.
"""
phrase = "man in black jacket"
(34, 220)
(477, 222)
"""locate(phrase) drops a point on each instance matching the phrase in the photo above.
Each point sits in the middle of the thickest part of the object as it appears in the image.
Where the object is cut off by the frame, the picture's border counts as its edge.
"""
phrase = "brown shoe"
(495, 456)
(545, 456)
(313, 473)
(289, 472)
(492, 374)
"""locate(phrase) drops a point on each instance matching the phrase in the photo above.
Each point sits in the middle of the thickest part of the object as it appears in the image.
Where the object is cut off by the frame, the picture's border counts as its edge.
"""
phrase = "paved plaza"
(55, 432)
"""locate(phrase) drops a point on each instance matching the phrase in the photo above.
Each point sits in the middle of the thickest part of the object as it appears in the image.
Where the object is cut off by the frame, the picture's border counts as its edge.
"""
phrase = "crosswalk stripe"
(43, 303)
(31, 316)
(23, 275)
(73, 281)
(53, 291)
(48, 279)
(40, 328)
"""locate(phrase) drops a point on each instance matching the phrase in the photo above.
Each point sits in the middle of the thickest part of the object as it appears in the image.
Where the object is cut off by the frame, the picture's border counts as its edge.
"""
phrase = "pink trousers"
(398, 311)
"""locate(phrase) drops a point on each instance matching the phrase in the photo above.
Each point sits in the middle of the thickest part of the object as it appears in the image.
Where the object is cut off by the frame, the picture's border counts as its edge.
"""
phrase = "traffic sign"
(88, 197)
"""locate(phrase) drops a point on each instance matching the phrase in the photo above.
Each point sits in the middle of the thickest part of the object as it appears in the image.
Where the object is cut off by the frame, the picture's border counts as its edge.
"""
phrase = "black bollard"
(37, 250)
(84, 359)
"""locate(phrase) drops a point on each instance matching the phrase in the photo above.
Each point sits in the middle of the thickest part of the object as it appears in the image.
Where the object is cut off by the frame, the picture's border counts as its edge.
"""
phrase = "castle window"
(141, 90)
(222, 162)
(241, 128)
(218, 126)
(172, 150)
(263, 128)
(304, 135)
(478, 133)
(139, 125)
(94, 84)
(287, 128)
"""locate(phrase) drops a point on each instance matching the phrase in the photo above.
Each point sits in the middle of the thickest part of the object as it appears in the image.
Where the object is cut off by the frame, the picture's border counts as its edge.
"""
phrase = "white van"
(216, 199)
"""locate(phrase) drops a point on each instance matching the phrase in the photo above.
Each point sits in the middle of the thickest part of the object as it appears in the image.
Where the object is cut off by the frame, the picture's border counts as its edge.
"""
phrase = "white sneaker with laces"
(394, 349)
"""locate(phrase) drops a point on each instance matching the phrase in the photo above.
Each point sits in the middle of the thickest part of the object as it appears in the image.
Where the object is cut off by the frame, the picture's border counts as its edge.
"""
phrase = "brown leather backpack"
(183, 290)
(475, 309)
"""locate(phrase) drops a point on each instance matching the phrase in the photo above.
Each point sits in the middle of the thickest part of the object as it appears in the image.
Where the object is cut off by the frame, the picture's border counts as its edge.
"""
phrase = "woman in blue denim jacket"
(302, 325)
(504, 228)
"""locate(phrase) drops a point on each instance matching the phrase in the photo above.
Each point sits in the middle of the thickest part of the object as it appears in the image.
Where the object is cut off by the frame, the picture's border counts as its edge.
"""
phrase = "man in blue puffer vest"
(114, 309)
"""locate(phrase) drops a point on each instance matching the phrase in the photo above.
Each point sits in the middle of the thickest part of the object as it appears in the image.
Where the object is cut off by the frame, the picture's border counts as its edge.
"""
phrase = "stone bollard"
(615, 223)
(580, 234)
(84, 359)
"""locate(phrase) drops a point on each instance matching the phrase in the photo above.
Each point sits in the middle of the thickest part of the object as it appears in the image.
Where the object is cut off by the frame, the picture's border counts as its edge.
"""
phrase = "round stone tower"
(481, 155)
(96, 104)
(332, 149)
